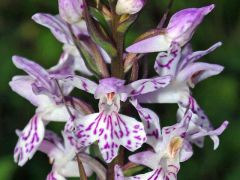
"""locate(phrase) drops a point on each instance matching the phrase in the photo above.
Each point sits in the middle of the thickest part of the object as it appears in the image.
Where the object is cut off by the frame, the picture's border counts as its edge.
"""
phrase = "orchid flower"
(108, 127)
(61, 156)
(180, 29)
(60, 29)
(42, 91)
(186, 74)
(173, 149)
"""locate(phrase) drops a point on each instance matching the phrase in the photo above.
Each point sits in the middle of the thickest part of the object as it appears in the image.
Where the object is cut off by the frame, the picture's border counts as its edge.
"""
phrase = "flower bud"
(71, 10)
(129, 6)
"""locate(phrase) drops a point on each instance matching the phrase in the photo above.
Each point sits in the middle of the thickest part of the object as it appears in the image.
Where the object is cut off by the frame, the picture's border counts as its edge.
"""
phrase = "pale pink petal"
(196, 72)
(81, 83)
(192, 57)
(23, 86)
(57, 26)
(144, 86)
(153, 44)
(146, 158)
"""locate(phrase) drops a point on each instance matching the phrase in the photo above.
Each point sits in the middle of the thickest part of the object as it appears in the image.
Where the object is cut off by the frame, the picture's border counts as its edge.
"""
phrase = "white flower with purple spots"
(186, 74)
(42, 91)
(173, 149)
(108, 127)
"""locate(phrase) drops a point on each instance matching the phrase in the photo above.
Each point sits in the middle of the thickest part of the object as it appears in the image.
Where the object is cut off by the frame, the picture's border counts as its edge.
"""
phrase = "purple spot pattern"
(148, 85)
(151, 122)
(29, 140)
(111, 131)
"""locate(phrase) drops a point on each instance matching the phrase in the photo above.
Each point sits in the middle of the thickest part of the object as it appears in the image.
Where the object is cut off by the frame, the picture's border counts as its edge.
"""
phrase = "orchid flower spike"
(165, 162)
(42, 91)
(108, 127)
(129, 6)
(180, 29)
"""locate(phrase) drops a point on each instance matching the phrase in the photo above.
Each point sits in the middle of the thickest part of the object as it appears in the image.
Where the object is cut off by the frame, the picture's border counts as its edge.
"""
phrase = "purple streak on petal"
(29, 140)
(151, 123)
(166, 63)
(147, 85)
(111, 131)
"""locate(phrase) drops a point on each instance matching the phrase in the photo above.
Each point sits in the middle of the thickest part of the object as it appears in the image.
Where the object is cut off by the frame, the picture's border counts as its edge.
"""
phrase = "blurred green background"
(218, 96)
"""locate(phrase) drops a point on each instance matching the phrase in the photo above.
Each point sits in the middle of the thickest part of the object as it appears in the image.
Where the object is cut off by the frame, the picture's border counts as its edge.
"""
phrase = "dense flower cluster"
(92, 35)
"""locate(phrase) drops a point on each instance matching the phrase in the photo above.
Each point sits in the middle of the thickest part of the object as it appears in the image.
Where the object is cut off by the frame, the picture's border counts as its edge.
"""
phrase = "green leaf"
(7, 168)
(133, 171)
(100, 18)
(96, 35)
(123, 26)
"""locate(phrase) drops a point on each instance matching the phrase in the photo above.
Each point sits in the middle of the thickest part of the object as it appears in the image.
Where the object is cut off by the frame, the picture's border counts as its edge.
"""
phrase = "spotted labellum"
(100, 95)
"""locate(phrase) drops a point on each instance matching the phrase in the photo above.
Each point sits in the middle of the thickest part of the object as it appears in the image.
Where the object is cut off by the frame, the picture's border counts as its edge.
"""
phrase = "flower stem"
(117, 62)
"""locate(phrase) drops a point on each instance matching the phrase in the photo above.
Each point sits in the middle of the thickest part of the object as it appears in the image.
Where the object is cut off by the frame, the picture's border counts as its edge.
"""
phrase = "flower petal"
(81, 83)
(144, 86)
(196, 72)
(173, 93)
(153, 44)
(192, 57)
(213, 134)
(182, 24)
(34, 70)
(111, 131)
(200, 125)
(79, 64)
(23, 86)
(64, 67)
(186, 151)
(53, 175)
(29, 140)
(146, 158)
(160, 174)
(166, 63)
(57, 113)
(57, 26)
(151, 123)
